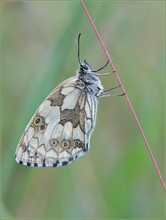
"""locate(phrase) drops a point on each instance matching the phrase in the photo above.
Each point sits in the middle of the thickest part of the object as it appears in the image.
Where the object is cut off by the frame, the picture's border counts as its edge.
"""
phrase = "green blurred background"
(116, 179)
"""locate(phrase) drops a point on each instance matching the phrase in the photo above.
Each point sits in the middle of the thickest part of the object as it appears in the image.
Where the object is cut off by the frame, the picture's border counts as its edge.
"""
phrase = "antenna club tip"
(79, 35)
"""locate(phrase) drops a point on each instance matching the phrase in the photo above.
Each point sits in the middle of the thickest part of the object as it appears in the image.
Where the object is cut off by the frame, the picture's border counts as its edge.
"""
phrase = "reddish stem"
(126, 96)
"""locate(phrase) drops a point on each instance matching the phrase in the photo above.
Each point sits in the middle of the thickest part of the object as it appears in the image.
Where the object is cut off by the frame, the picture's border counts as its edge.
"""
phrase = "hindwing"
(59, 132)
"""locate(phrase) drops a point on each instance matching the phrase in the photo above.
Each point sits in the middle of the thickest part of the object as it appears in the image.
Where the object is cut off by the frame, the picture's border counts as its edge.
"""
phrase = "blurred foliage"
(116, 179)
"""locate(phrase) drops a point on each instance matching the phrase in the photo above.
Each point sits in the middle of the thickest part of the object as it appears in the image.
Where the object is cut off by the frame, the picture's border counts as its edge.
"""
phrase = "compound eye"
(84, 66)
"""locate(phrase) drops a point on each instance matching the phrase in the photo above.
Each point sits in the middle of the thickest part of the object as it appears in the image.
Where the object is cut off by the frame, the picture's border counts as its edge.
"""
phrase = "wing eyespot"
(37, 121)
(75, 143)
(78, 143)
(65, 144)
(53, 142)
(42, 127)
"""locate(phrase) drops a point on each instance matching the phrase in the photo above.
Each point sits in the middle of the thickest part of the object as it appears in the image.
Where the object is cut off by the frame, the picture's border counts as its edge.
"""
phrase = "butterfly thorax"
(89, 80)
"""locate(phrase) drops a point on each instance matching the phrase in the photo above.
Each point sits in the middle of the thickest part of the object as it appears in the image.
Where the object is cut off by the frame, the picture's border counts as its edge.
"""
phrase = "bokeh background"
(116, 179)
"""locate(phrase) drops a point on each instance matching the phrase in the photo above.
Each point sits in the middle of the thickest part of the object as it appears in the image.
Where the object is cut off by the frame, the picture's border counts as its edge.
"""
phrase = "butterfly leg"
(95, 71)
(106, 94)
(115, 87)
(104, 74)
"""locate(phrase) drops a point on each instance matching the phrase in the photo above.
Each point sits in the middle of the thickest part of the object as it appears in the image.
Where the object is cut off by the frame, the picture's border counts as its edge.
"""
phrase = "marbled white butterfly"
(60, 130)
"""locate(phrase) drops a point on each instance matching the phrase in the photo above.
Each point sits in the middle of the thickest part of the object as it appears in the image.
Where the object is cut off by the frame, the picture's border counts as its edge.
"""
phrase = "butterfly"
(60, 130)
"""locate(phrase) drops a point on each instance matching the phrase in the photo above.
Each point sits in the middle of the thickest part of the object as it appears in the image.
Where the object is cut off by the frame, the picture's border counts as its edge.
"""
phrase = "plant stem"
(126, 96)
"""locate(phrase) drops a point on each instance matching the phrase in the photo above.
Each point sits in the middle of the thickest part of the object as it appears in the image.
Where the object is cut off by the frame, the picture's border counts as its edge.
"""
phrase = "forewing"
(59, 132)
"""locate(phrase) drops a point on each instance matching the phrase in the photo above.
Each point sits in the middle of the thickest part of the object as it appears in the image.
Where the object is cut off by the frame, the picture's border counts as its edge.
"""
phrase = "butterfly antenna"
(79, 48)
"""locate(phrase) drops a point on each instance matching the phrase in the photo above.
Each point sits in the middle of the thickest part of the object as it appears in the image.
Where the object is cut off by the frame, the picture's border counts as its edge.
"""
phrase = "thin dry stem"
(126, 96)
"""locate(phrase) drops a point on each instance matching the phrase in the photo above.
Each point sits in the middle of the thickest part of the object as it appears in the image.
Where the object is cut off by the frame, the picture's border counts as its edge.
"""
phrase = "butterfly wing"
(59, 132)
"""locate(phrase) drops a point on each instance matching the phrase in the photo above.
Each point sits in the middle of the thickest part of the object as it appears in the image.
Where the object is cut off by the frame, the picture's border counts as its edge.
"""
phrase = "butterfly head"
(87, 76)
(85, 67)
(86, 73)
